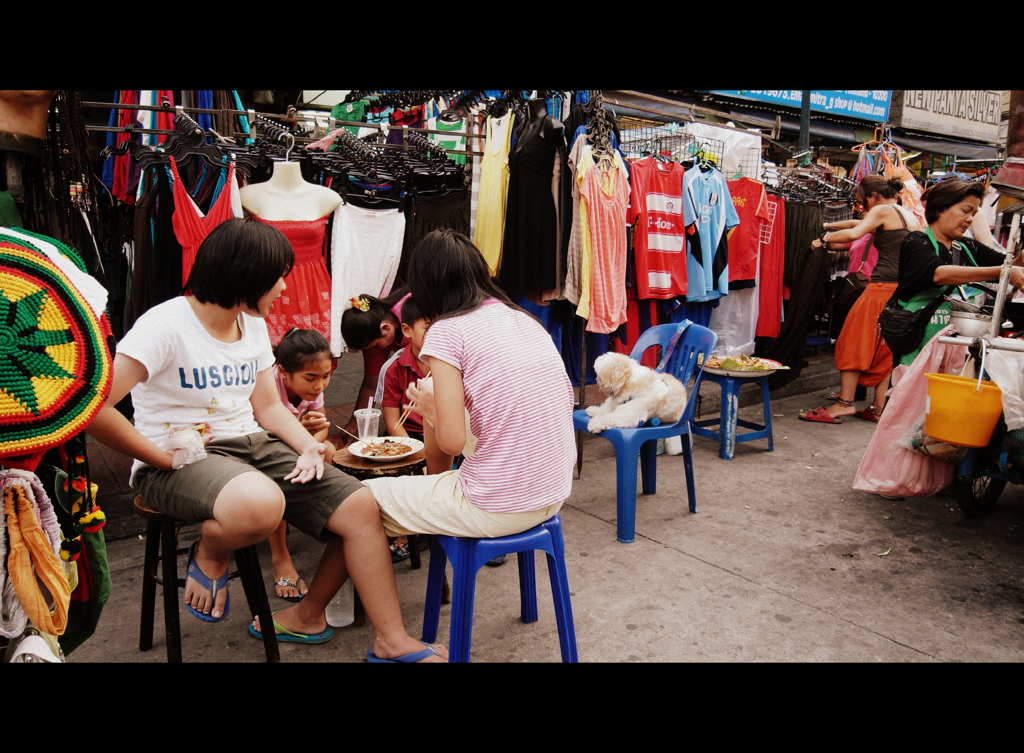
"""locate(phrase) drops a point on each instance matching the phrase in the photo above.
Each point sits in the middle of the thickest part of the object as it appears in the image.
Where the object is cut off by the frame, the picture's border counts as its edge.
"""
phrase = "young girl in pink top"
(493, 359)
(302, 372)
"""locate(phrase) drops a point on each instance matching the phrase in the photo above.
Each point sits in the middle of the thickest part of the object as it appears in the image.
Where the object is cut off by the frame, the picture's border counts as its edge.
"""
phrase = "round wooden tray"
(363, 469)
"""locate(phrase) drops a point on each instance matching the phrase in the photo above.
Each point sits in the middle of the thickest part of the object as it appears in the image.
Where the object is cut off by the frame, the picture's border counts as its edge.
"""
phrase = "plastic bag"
(186, 447)
(1006, 369)
(910, 196)
(890, 468)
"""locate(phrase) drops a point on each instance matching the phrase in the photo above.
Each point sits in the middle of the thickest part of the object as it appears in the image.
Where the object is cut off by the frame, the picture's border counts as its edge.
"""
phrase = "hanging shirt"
(662, 213)
(366, 248)
(773, 254)
(449, 142)
(493, 195)
(751, 203)
(607, 195)
(708, 265)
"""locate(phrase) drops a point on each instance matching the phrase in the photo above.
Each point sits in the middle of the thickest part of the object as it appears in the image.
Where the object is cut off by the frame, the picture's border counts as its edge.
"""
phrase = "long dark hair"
(360, 328)
(448, 276)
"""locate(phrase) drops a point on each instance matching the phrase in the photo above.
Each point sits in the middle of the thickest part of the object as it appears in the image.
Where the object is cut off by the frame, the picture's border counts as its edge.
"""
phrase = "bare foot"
(840, 408)
(199, 598)
(287, 583)
(409, 645)
(291, 619)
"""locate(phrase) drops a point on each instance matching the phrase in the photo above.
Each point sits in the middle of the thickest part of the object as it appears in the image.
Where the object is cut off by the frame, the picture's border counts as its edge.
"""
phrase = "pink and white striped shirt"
(520, 405)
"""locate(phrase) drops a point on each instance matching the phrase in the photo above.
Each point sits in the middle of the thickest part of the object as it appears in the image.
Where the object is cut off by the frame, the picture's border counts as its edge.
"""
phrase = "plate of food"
(386, 449)
(742, 366)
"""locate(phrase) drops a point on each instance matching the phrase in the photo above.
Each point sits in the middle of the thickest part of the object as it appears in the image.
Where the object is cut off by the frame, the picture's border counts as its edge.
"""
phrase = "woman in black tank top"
(862, 357)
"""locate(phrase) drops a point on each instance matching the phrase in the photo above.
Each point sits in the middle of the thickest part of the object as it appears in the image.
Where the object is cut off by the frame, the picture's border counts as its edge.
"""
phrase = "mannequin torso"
(288, 197)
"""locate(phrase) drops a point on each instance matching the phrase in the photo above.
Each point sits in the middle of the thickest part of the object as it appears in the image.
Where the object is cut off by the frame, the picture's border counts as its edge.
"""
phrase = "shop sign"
(863, 104)
(968, 114)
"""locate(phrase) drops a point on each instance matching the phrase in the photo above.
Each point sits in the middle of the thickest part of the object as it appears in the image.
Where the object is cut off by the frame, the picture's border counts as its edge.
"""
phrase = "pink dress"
(306, 302)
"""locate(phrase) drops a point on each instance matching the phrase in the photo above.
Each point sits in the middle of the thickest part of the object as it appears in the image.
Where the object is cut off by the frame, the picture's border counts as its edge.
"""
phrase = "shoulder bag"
(903, 330)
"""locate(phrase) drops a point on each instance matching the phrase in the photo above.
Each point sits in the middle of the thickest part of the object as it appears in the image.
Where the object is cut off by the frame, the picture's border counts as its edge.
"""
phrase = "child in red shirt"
(400, 371)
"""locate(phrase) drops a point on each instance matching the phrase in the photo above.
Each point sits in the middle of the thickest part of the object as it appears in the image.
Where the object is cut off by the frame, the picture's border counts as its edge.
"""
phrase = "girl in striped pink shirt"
(494, 360)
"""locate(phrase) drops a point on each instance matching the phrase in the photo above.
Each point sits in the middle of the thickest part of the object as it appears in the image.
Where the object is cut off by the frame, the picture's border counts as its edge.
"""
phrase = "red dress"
(306, 302)
(190, 226)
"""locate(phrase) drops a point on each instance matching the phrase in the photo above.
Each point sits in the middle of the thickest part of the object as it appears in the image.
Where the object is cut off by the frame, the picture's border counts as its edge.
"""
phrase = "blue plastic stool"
(469, 555)
(728, 419)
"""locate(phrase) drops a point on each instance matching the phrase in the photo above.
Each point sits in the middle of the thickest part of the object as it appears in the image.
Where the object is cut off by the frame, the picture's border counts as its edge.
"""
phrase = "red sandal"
(871, 413)
(819, 415)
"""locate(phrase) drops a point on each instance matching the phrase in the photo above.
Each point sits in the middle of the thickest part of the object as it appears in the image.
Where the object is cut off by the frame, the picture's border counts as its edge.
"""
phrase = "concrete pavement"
(784, 562)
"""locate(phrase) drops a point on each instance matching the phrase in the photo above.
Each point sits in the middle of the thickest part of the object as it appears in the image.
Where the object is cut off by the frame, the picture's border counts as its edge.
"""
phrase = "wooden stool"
(364, 469)
(161, 545)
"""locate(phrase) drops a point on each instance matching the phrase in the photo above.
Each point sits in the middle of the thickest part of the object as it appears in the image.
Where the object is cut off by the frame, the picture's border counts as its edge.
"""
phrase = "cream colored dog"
(636, 394)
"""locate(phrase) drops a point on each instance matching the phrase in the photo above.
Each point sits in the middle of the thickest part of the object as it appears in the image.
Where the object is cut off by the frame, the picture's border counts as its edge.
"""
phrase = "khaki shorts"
(189, 492)
(436, 504)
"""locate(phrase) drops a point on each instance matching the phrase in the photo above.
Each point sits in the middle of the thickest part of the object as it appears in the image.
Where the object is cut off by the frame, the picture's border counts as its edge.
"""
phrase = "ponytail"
(360, 324)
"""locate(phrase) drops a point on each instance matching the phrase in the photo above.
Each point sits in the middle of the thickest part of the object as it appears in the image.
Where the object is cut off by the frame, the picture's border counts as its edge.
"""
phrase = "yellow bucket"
(959, 413)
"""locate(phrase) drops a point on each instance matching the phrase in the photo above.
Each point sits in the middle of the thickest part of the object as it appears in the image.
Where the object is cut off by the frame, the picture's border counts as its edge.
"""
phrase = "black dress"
(530, 249)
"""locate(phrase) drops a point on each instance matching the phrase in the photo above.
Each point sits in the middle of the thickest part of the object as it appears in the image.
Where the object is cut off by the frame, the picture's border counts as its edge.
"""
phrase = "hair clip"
(360, 303)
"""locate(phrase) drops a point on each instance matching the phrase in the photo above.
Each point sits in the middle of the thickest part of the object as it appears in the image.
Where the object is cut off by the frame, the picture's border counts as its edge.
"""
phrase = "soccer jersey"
(708, 263)
(751, 203)
(661, 212)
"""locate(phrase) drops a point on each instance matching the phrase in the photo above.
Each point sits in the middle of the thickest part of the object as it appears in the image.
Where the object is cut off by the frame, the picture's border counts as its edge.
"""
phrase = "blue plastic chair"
(469, 555)
(695, 341)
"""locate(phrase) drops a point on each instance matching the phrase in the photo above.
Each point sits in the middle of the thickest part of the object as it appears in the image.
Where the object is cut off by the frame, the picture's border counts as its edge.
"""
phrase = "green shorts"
(189, 492)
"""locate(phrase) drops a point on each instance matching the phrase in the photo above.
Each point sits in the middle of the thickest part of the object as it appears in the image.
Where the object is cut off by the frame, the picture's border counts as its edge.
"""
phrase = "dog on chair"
(636, 394)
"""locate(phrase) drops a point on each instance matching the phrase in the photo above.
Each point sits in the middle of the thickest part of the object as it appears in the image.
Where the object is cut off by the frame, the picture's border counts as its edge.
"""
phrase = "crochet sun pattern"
(55, 365)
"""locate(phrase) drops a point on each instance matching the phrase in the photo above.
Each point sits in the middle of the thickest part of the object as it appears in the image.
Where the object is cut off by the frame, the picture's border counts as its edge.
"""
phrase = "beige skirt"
(436, 504)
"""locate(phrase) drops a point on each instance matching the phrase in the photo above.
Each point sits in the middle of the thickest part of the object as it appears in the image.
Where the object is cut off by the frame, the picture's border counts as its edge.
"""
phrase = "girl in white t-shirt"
(204, 359)
(493, 359)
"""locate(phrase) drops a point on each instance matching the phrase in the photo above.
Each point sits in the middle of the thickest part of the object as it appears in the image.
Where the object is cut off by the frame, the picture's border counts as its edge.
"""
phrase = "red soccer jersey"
(662, 212)
(751, 202)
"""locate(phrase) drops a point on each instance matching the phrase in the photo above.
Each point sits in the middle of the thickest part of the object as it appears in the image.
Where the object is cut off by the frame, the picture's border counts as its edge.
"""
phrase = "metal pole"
(1009, 181)
(805, 125)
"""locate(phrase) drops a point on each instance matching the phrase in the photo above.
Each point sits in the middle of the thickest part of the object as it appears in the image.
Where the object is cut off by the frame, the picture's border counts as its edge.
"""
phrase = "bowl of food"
(386, 449)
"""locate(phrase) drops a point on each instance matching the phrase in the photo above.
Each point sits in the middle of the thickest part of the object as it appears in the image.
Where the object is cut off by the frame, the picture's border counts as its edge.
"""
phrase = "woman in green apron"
(933, 261)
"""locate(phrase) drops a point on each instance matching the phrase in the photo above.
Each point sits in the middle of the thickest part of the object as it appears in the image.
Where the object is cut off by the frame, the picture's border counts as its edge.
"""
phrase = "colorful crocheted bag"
(55, 360)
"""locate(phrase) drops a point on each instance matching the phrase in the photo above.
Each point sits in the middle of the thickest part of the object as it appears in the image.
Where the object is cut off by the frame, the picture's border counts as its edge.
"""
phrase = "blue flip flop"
(405, 658)
(193, 572)
(287, 636)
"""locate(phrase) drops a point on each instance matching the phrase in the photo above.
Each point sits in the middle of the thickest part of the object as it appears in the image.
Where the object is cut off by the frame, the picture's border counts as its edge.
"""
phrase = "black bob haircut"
(239, 262)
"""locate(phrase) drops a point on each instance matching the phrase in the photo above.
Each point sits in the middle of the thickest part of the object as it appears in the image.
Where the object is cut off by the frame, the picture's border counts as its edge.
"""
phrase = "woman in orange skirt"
(862, 357)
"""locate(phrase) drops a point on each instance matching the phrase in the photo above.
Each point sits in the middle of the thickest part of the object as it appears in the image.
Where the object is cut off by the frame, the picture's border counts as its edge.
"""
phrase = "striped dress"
(520, 406)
